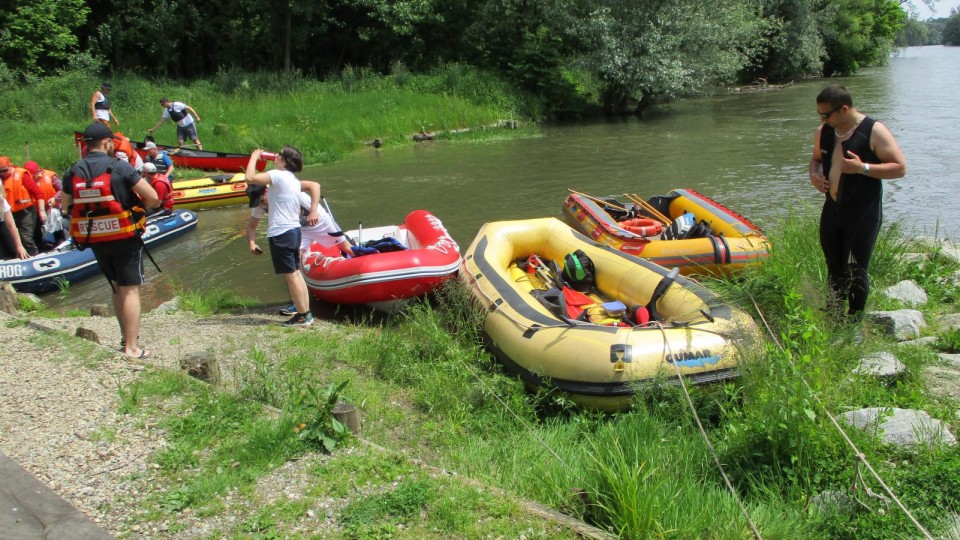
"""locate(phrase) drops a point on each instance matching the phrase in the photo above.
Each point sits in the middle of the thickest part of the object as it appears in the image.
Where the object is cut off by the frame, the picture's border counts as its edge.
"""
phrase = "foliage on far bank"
(569, 55)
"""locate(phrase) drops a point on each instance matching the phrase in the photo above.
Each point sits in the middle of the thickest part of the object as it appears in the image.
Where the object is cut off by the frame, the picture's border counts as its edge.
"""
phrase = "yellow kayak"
(597, 362)
(210, 191)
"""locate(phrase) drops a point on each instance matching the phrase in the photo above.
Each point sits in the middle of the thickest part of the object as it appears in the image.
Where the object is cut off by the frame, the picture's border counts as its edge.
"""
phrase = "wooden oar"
(649, 208)
(598, 201)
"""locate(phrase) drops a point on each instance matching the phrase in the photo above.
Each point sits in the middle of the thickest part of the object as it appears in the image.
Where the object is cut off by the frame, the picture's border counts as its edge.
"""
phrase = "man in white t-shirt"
(283, 223)
(183, 115)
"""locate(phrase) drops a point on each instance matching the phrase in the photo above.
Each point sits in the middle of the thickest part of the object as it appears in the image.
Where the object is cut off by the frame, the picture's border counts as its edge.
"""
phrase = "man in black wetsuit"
(852, 153)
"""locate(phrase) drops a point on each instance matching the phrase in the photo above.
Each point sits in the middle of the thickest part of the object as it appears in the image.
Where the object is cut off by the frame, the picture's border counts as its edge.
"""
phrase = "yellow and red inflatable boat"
(598, 364)
(629, 224)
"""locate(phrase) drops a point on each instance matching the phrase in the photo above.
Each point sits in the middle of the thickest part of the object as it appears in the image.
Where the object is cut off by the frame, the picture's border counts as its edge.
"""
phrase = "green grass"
(212, 301)
(426, 387)
(241, 111)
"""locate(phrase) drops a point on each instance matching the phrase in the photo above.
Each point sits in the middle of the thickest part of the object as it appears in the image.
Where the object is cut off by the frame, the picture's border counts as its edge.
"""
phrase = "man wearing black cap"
(106, 200)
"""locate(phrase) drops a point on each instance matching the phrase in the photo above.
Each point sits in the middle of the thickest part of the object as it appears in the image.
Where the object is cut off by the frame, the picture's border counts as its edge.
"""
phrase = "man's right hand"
(820, 182)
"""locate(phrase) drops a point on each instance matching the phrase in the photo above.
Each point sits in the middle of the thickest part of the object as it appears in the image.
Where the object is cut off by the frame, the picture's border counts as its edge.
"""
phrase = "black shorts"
(285, 251)
(123, 265)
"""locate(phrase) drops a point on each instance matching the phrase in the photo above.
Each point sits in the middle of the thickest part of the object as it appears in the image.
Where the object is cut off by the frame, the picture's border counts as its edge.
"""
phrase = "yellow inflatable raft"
(210, 191)
(597, 365)
(732, 243)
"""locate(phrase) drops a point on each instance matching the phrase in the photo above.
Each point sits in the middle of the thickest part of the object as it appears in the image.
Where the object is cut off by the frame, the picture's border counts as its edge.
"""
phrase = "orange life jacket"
(17, 195)
(123, 145)
(44, 179)
(97, 215)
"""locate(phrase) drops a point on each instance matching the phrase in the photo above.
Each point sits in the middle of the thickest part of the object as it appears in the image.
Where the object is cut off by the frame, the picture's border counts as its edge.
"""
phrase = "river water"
(747, 150)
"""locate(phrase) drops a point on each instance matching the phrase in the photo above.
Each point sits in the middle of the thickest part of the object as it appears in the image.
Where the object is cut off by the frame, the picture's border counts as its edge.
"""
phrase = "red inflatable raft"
(431, 257)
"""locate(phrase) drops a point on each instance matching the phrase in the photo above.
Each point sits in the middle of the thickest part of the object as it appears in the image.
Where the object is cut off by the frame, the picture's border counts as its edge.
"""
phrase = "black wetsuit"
(849, 225)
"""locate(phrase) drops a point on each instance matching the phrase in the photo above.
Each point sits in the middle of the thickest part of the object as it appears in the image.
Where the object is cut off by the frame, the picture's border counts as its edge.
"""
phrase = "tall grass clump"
(216, 300)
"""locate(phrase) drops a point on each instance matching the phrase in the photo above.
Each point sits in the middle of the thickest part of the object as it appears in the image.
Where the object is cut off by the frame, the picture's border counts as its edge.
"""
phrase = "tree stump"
(201, 365)
(348, 415)
(8, 299)
(99, 310)
(87, 334)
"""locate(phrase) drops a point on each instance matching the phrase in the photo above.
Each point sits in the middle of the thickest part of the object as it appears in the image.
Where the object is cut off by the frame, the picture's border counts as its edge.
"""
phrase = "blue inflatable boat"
(46, 271)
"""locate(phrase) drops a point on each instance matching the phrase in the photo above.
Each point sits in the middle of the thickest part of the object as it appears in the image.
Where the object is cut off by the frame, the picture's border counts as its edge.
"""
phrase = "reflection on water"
(749, 151)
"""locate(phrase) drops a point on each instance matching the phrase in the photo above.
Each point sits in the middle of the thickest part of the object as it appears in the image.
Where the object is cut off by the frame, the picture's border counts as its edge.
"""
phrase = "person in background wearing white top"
(6, 217)
(183, 115)
(100, 106)
(283, 223)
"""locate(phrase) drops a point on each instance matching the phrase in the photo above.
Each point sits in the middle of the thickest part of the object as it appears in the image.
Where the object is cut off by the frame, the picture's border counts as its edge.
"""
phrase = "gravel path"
(59, 400)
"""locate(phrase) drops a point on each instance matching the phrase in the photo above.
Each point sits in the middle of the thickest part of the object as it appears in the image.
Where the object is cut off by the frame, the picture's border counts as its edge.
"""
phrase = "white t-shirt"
(6, 207)
(283, 198)
(318, 233)
(179, 107)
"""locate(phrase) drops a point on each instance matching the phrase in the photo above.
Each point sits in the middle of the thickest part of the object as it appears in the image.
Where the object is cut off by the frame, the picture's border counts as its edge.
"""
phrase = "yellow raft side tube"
(210, 191)
(597, 366)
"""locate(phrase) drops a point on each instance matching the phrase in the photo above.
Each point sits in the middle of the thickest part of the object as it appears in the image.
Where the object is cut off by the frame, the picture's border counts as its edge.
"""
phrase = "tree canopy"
(619, 50)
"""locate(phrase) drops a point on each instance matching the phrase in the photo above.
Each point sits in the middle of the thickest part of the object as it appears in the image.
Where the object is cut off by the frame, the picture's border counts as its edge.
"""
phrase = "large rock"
(926, 341)
(951, 321)
(883, 365)
(901, 427)
(908, 292)
(952, 359)
(902, 324)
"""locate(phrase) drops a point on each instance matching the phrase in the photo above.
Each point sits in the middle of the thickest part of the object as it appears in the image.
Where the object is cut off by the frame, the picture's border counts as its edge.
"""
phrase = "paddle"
(649, 208)
(598, 200)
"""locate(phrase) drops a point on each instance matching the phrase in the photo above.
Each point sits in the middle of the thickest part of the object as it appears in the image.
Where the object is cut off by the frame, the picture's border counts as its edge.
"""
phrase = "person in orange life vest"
(160, 159)
(106, 199)
(50, 186)
(122, 149)
(161, 184)
(25, 199)
(10, 244)
(100, 106)
(184, 116)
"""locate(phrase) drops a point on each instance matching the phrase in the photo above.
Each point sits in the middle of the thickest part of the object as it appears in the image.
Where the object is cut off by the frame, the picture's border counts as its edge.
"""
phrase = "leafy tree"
(792, 46)
(858, 33)
(654, 51)
(38, 36)
(914, 33)
(951, 30)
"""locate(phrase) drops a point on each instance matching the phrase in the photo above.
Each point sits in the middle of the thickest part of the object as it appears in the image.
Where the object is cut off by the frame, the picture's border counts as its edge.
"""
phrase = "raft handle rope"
(861, 457)
(706, 439)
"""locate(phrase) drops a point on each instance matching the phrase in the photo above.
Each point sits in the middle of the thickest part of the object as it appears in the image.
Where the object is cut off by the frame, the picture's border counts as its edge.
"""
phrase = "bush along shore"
(327, 119)
(257, 453)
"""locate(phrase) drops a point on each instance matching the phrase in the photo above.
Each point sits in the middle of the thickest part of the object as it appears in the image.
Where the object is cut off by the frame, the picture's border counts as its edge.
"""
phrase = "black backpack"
(578, 271)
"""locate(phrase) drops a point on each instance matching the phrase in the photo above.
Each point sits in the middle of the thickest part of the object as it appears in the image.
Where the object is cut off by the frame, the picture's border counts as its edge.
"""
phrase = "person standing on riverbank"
(852, 153)
(107, 202)
(100, 106)
(185, 117)
(283, 223)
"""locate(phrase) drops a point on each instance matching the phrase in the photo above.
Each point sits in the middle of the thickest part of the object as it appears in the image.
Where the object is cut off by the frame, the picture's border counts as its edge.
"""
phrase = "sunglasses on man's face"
(825, 115)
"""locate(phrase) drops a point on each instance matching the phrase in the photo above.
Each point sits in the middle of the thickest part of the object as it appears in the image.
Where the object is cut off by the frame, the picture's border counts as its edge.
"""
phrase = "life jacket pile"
(97, 215)
(16, 193)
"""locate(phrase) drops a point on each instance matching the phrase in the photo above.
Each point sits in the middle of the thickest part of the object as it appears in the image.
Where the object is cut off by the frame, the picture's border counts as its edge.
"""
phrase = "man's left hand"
(851, 164)
(313, 218)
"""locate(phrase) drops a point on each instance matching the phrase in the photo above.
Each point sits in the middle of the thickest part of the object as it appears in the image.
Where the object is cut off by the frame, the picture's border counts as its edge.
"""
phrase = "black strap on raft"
(662, 287)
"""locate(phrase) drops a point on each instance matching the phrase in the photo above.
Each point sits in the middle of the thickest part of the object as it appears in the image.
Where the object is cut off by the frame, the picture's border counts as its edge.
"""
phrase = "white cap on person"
(149, 167)
(149, 145)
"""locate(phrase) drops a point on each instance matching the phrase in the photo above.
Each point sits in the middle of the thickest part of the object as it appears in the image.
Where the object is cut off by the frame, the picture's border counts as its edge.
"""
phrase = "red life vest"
(17, 195)
(123, 145)
(97, 215)
(167, 201)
